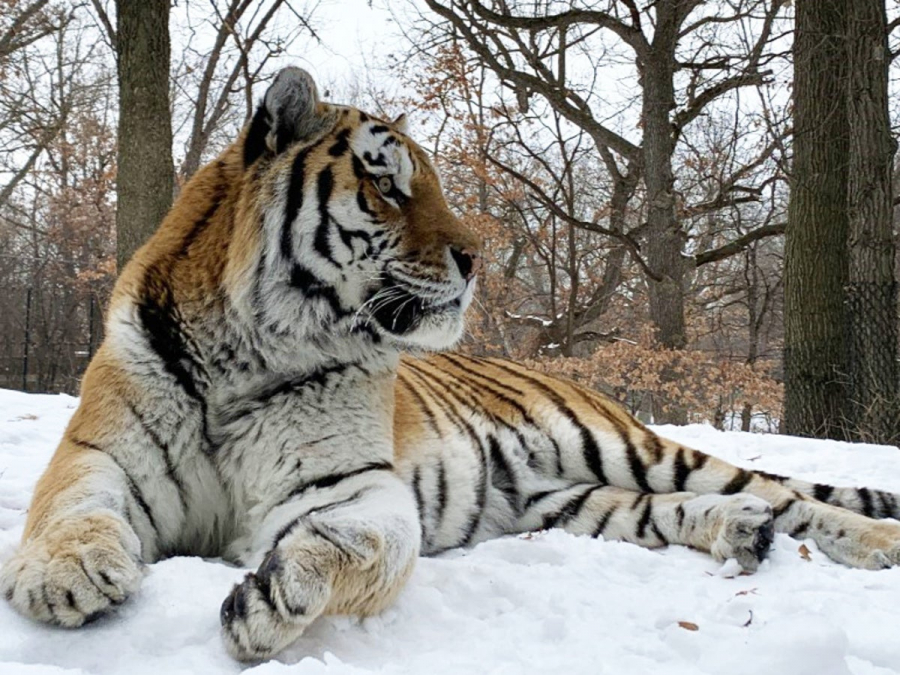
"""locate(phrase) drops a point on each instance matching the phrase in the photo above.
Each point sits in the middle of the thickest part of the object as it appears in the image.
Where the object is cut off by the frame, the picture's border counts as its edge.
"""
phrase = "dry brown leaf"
(687, 625)
(746, 592)
(750, 620)
(804, 552)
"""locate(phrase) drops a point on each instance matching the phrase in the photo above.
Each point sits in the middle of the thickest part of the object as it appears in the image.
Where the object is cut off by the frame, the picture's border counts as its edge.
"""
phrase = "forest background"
(686, 204)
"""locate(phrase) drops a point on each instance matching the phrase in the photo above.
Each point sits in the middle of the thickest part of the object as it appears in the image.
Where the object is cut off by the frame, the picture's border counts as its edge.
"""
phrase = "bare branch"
(738, 244)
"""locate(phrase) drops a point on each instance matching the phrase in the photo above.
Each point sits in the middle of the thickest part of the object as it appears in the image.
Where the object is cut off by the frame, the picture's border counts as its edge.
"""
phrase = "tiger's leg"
(611, 447)
(727, 526)
(334, 552)
(80, 554)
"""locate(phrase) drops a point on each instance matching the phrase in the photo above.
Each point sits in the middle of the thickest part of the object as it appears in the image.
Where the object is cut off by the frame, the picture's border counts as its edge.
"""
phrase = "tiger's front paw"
(272, 607)
(746, 531)
(73, 572)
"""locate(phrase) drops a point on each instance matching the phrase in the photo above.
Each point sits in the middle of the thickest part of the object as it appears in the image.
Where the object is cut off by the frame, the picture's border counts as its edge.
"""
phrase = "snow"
(541, 603)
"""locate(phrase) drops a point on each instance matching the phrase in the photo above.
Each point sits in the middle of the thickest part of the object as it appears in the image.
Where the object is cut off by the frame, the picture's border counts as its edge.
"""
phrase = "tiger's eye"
(385, 184)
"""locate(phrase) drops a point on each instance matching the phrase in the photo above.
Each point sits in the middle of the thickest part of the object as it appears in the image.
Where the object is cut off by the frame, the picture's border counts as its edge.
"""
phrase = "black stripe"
(455, 360)
(638, 470)
(314, 288)
(738, 483)
(654, 445)
(538, 496)
(363, 206)
(822, 492)
(317, 377)
(166, 455)
(341, 143)
(888, 504)
(866, 498)
(590, 449)
(294, 202)
(700, 460)
(680, 471)
(465, 427)
(422, 405)
(779, 511)
(160, 315)
(347, 236)
(679, 515)
(644, 520)
(374, 161)
(333, 479)
(255, 142)
(567, 511)
(420, 501)
(133, 488)
(289, 527)
(799, 530)
(324, 188)
(378, 129)
(502, 477)
(604, 520)
(478, 390)
(772, 476)
(441, 504)
(359, 169)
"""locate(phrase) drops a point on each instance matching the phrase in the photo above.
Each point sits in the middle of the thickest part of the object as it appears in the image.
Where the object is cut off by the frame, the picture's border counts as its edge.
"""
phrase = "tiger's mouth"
(400, 310)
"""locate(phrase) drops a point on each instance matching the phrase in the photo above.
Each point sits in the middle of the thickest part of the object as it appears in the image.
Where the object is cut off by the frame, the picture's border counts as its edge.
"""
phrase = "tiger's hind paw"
(74, 571)
(747, 529)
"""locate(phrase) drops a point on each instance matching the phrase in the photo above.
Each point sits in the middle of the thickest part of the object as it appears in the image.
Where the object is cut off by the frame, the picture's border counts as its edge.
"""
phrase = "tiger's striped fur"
(250, 401)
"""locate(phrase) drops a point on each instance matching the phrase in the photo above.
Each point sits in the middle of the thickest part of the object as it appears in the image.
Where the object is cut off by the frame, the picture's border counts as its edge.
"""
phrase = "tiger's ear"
(288, 113)
(401, 124)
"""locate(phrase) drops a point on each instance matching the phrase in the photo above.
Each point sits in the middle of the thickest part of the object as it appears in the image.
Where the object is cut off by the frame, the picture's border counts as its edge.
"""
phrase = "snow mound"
(542, 603)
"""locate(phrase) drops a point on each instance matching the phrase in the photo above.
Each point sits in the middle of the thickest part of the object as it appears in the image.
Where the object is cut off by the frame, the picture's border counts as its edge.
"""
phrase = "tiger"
(276, 389)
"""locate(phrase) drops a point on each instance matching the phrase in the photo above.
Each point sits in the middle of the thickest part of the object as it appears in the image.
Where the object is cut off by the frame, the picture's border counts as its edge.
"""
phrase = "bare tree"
(217, 82)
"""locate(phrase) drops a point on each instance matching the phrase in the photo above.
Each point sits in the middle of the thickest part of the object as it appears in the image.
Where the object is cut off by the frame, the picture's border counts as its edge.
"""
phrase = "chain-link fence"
(873, 377)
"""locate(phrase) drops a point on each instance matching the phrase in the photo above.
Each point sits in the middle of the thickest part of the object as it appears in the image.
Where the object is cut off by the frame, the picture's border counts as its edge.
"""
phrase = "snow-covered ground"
(544, 603)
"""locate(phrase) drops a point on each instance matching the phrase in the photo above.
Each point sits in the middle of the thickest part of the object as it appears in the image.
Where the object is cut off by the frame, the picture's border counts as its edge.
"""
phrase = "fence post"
(91, 329)
(27, 340)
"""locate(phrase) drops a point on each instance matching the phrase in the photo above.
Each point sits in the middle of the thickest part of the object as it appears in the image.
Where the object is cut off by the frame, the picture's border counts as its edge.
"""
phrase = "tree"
(146, 176)
(686, 58)
(841, 377)
(871, 293)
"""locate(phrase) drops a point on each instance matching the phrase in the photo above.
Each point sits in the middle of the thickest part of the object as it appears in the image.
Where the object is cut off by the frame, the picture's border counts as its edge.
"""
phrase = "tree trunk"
(815, 274)
(664, 240)
(145, 178)
(871, 294)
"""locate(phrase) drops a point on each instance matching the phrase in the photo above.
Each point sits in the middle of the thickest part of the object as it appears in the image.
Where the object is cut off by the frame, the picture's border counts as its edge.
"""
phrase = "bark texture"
(145, 179)
(815, 275)
(871, 293)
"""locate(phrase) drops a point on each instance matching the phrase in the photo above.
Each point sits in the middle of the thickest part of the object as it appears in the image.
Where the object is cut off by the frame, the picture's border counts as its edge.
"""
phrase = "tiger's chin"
(412, 323)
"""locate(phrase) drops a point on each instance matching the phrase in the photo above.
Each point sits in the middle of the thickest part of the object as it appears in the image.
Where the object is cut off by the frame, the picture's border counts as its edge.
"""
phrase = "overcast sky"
(352, 33)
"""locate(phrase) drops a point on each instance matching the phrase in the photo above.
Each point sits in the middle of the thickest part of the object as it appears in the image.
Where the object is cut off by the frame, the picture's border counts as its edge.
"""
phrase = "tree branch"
(738, 244)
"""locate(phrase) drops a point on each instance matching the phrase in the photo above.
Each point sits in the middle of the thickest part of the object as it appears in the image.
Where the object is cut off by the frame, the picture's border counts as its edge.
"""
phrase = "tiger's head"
(355, 228)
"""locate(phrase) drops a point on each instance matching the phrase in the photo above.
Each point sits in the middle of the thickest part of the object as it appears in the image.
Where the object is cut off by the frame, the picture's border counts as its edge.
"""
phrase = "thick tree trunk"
(664, 240)
(145, 172)
(871, 293)
(815, 274)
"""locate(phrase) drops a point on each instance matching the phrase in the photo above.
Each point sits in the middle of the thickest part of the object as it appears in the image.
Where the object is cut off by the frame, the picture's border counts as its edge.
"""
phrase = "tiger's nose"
(467, 261)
